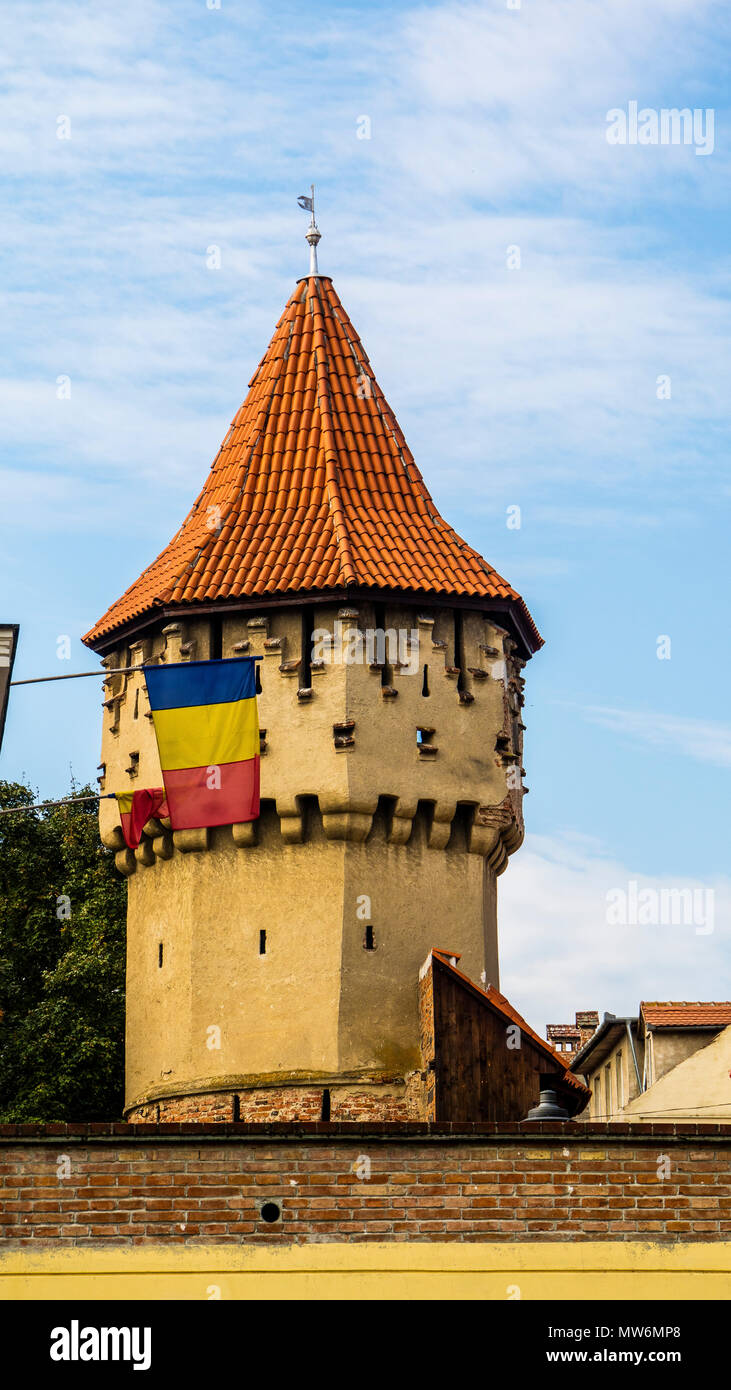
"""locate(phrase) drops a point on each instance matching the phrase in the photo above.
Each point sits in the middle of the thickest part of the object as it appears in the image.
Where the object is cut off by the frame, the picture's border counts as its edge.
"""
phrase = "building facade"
(626, 1057)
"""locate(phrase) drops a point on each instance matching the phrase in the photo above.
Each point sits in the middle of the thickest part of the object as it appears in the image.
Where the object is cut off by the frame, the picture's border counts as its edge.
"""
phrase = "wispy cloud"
(558, 954)
(705, 740)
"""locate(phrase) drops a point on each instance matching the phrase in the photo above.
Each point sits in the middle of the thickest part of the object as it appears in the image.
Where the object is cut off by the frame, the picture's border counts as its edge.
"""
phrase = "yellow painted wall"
(571, 1271)
(698, 1088)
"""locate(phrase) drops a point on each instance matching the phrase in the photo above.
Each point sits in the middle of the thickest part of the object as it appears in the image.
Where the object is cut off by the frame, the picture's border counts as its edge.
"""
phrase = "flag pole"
(79, 675)
(114, 671)
(67, 801)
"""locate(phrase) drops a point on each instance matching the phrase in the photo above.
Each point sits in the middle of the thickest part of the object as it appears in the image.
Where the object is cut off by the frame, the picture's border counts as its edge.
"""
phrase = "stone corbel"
(495, 833)
(291, 821)
(402, 822)
(145, 854)
(160, 837)
(441, 824)
(113, 838)
(152, 828)
(189, 841)
(125, 862)
(347, 820)
(245, 834)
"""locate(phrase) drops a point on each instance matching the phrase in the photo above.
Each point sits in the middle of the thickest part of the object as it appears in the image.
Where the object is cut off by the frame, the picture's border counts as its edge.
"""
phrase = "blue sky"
(193, 127)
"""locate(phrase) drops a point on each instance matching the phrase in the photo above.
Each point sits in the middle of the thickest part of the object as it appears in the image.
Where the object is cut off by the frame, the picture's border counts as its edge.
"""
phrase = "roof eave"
(597, 1039)
(513, 611)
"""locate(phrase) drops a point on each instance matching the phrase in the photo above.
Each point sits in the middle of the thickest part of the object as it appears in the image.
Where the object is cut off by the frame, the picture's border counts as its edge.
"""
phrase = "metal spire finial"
(312, 235)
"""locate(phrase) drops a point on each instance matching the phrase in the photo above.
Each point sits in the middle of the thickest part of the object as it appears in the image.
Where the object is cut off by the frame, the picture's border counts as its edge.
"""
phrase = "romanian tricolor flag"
(136, 808)
(207, 728)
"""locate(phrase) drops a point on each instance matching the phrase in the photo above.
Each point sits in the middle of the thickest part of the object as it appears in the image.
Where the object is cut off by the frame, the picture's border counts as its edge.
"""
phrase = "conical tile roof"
(313, 489)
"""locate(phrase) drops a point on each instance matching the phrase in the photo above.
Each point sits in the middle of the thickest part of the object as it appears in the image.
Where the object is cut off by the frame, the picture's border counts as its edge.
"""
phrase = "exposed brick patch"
(285, 1104)
(182, 1183)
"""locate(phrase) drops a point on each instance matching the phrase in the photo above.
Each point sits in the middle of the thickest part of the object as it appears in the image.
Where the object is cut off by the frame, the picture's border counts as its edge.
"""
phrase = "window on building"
(607, 1091)
(619, 1080)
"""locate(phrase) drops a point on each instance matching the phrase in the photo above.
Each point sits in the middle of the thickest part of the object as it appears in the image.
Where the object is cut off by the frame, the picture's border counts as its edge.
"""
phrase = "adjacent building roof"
(501, 1005)
(313, 489)
(602, 1042)
(655, 1014)
(680, 1014)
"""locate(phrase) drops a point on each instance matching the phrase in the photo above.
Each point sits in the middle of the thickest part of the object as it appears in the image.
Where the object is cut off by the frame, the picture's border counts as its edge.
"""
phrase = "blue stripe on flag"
(200, 683)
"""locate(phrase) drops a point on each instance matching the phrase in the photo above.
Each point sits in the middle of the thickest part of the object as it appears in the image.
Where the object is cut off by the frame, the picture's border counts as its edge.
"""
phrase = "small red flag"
(136, 808)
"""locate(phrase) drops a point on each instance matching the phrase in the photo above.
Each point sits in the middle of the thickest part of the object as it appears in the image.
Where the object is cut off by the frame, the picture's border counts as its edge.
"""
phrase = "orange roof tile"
(314, 488)
(680, 1014)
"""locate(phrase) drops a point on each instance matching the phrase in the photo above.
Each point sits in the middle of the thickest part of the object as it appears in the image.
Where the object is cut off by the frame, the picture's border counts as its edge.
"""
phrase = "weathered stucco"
(697, 1088)
(361, 827)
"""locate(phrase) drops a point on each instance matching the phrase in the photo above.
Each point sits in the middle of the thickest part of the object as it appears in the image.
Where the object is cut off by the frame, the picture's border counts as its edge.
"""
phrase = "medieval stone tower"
(273, 966)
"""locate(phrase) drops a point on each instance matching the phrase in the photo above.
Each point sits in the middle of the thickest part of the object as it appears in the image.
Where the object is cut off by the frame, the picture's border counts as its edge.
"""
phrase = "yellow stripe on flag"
(206, 735)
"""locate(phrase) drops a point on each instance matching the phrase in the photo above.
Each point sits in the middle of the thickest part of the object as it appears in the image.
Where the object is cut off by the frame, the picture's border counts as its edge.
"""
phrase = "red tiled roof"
(315, 488)
(680, 1014)
(504, 1007)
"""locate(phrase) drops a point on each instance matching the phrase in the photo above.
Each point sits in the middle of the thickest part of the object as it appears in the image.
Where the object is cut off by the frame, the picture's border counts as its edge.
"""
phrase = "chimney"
(587, 1024)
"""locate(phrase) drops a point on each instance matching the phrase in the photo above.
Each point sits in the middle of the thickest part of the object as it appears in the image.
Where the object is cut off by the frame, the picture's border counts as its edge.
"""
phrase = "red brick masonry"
(115, 1184)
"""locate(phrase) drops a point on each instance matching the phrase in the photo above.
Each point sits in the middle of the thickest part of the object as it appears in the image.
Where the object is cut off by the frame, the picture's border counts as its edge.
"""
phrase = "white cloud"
(518, 99)
(558, 955)
(476, 110)
(703, 739)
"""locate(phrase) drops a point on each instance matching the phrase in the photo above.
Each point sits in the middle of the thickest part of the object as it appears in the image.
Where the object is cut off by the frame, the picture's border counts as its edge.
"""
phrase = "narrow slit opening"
(425, 684)
(325, 1115)
(386, 668)
(159, 956)
(369, 943)
(459, 648)
(262, 943)
(308, 628)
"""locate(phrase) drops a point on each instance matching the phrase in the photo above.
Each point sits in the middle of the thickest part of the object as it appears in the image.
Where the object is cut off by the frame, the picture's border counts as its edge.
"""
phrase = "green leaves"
(62, 949)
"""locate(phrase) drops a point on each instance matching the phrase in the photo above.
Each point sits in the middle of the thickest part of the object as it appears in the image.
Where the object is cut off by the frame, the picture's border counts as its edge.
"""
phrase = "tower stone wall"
(391, 797)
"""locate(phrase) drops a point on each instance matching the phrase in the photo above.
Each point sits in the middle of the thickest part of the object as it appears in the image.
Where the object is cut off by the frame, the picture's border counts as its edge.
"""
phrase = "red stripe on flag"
(220, 795)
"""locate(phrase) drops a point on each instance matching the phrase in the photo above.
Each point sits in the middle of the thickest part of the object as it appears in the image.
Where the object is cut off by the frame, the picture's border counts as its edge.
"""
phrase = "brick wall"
(124, 1184)
(287, 1104)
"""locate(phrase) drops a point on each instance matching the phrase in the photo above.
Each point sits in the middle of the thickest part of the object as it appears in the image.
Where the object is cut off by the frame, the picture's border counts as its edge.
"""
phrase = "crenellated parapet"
(360, 706)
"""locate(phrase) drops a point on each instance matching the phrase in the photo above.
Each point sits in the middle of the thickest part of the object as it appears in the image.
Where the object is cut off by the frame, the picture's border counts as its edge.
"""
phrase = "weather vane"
(312, 235)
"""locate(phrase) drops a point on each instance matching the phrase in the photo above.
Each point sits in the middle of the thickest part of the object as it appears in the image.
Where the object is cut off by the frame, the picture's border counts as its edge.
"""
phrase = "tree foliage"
(62, 949)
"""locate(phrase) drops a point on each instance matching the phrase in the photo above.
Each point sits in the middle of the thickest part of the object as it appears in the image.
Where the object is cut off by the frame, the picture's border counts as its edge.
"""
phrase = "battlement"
(359, 707)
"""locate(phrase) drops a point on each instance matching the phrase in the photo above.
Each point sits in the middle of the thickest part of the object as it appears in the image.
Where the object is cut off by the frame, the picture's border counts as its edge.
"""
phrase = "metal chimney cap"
(548, 1108)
